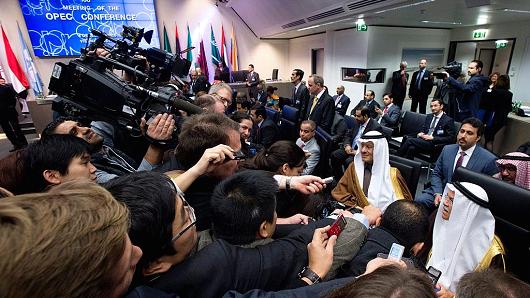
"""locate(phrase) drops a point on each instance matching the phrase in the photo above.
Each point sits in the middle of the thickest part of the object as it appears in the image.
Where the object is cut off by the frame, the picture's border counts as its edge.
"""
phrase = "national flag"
(233, 51)
(189, 55)
(224, 54)
(202, 60)
(14, 71)
(177, 40)
(167, 45)
(33, 75)
(216, 58)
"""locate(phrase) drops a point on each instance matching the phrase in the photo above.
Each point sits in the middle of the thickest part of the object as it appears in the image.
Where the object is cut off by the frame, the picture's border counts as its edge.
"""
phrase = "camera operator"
(472, 90)
(111, 162)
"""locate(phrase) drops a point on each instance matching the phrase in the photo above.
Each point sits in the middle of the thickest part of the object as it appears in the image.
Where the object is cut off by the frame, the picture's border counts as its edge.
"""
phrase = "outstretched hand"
(162, 127)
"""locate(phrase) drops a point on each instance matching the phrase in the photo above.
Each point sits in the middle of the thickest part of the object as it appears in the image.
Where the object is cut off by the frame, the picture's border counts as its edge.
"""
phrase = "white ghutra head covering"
(461, 241)
(380, 192)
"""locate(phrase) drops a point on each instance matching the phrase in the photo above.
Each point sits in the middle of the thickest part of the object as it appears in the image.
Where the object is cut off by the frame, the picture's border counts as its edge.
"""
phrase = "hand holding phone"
(396, 252)
(328, 180)
(337, 227)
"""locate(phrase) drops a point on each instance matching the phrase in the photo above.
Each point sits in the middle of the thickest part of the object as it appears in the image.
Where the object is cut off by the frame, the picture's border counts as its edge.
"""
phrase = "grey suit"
(391, 117)
(481, 161)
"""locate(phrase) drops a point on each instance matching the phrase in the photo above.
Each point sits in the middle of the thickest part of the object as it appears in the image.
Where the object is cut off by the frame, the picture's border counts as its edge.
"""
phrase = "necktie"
(366, 179)
(418, 79)
(460, 159)
(384, 111)
(433, 125)
(315, 100)
(337, 100)
(404, 80)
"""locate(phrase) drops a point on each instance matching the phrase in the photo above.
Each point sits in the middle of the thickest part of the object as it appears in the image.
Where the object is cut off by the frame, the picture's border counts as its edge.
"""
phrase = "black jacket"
(398, 90)
(351, 133)
(444, 132)
(267, 134)
(378, 240)
(300, 100)
(220, 267)
(342, 106)
(425, 86)
(323, 113)
(201, 84)
(370, 105)
(8, 99)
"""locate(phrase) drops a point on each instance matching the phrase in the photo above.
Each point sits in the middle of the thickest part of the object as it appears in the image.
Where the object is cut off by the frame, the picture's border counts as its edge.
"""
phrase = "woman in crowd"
(495, 104)
(273, 100)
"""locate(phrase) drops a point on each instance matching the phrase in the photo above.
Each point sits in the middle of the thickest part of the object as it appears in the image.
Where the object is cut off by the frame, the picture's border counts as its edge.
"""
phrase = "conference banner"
(60, 28)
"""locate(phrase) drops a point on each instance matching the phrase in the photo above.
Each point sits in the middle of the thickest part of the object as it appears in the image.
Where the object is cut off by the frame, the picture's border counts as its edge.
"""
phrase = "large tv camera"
(88, 87)
(454, 69)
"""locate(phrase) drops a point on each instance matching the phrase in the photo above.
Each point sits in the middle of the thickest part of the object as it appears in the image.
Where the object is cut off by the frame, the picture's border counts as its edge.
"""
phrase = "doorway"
(317, 61)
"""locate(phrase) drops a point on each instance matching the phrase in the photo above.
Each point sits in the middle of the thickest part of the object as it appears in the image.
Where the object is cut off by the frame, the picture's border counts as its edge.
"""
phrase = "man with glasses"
(223, 92)
(345, 155)
(309, 144)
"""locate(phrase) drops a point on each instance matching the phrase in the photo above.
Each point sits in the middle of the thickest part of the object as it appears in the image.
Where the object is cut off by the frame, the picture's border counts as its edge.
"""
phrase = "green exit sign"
(501, 44)
(362, 27)
(479, 33)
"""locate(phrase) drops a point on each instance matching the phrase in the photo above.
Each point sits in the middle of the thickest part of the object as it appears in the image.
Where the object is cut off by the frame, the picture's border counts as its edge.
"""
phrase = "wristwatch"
(309, 274)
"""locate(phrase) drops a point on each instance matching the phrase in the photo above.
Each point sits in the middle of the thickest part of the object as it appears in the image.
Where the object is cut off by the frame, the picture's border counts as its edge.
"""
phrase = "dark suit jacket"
(342, 106)
(398, 90)
(201, 84)
(261, 97)
(481, 161)
(371, 106)
(300, 100)
(378, 240)
(444, 132)
(220, 267)
(425, 86)
(339, 128)
(267, 134)
(472, 90)
(253, 79)
(391, 117)
(323, 113)
(351, 133)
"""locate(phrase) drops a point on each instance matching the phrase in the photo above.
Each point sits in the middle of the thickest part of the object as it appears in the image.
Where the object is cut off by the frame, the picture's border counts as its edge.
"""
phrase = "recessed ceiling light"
(482, 19)
(307, 28)
(441, 22)
(516, 10)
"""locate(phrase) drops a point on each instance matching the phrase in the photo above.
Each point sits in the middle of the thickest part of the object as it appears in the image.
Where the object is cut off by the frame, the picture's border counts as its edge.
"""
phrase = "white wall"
(519, 30)
(386, 44)
(199, 14)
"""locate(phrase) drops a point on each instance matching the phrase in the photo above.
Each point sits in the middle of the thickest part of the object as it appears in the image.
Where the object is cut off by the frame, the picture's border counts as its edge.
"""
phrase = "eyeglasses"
(223, 99)
(192, 218)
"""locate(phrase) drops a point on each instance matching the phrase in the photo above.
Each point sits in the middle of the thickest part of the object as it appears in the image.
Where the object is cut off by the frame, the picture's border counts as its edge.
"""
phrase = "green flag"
(167, 45)
(189, 55)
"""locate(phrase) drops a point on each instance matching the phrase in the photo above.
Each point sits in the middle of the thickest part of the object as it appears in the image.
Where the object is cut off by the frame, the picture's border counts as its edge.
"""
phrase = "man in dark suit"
(438, 129)
(199, 82)
(465, 153)
(342, 101)
(320, 108)
(261, 94)
(389, 115)
(420, 87)
(265, 131)
(252, 81)
(300, 97)
(370, 103)
(399, 84)
(9, 116)
(472, 90)
(344, 156)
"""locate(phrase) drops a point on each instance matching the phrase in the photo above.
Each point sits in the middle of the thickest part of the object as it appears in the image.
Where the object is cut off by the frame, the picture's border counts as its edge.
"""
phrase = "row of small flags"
(13, 73)
(231, 61)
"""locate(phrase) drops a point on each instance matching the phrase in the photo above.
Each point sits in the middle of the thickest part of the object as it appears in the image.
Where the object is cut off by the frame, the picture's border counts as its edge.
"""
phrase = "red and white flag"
(15, 74)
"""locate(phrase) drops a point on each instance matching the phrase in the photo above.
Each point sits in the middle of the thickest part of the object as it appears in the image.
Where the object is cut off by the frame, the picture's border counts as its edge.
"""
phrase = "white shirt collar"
(297, 85)
(259, 124)
(469, 151)
(391, 104)
(320, 93)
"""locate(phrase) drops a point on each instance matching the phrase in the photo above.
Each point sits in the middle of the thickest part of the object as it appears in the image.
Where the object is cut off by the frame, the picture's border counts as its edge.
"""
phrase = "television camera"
(87, 87)
(454, 69)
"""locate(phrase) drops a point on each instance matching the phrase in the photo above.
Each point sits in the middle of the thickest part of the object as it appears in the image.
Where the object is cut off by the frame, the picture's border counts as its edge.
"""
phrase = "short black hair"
(54, 152)
(238, 116)
(389, 95)
(299, 73)
(260, 110)
(365, 111)
(52, 126)
(278, 154)
(150, 197)
(439, 100)
(241, 203)
(476, 123)
(251, 65)
(407, 221)
(479, 63)
(372, 92)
